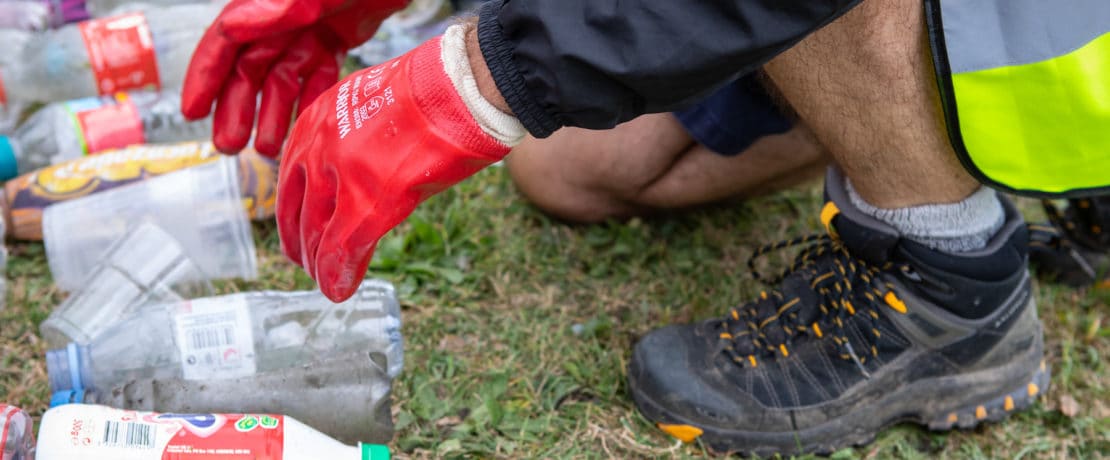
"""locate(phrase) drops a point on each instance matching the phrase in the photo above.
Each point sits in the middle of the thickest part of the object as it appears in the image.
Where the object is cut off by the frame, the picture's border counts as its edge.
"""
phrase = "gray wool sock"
(957, 227)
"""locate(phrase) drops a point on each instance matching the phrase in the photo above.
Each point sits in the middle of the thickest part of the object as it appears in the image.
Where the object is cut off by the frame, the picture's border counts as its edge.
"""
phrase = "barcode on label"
(129, 435)
(211, 337)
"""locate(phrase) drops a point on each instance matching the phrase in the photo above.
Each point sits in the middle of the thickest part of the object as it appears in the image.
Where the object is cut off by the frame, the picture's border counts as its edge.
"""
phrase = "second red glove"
(289, 50)
(370, 149)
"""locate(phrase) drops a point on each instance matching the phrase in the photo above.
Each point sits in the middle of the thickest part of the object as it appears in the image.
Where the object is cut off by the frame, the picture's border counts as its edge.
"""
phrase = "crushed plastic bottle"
(67, 130)
(146, 266)
(201, 207)
(148, 50)
(233, 336)
(17, 440)
(90, 432)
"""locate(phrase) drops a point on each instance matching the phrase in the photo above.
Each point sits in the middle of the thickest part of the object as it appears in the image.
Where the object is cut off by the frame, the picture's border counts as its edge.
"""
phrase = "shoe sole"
(939, 403)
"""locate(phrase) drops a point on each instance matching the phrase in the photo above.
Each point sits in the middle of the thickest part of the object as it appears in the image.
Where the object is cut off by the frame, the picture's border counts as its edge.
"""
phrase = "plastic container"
(347, 397)
(24, 198)
(405, 30)
(148, 50)
(88, 432)
(40, 14)
(17, 440)
(234, 336)
(199, 206)
(146, 266)
(66, 130)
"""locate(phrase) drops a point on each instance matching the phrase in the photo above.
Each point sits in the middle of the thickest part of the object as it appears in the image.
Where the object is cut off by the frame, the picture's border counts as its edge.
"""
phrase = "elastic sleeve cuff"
(498, 53)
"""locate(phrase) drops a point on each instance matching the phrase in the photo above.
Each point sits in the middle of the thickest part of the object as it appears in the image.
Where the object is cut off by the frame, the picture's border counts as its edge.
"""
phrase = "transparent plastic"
(297, 440)
(25, 15)
(53, 65)
(16, 433)
(53, 134)
(200, 206)
(400, 33)
(329, 363)
(146, 266)
(103, 8)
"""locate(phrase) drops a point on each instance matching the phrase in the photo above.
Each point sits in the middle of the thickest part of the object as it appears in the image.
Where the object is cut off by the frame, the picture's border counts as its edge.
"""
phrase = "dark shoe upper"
(860, 312)
(1073, 247)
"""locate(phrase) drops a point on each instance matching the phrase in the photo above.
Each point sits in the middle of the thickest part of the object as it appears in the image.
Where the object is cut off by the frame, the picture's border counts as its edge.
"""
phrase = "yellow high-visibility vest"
(1025, 87)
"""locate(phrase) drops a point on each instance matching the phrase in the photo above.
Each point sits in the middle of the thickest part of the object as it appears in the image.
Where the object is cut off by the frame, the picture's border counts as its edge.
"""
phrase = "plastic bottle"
(66, 130)
(149, 50)
(89, 432)
(17, 441)
(24, 198)
(348, 396)
(40, 14)
(233, 336)
(405, 30)
(102, 8)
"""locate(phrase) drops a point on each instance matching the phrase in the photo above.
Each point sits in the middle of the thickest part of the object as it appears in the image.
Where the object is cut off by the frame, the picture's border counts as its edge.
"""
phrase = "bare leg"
(865, 87)
(651, 164)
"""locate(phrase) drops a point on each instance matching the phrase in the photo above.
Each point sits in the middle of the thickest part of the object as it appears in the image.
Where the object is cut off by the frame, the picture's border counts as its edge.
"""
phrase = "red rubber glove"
(287, 49)
(369, 150)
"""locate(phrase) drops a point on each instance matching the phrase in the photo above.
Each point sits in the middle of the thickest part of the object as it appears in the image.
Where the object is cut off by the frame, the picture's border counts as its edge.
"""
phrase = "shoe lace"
(840, 287)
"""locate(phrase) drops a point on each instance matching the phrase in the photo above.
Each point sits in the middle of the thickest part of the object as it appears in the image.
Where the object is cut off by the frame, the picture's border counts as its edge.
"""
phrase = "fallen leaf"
(1068, 406)
(448, 421)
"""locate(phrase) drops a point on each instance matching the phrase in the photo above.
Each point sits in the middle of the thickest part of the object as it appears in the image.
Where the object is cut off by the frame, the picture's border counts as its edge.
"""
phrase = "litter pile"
(92, 138)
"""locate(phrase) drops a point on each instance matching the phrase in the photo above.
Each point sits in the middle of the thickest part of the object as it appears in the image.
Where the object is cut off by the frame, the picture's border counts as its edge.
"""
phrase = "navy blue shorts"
(734, 117)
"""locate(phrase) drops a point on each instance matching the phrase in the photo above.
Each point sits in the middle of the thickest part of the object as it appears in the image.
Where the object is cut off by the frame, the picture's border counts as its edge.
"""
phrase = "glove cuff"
(456, 63)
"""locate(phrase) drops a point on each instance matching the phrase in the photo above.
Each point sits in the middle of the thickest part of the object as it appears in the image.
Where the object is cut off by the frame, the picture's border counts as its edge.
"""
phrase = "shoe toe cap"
(674, 379)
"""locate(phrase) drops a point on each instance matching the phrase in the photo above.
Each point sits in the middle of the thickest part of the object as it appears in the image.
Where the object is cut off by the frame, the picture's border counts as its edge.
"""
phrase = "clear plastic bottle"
(102, 56)
(102, 8)
(17, 440)
(66, 130)
(233, 336)
(89, 432)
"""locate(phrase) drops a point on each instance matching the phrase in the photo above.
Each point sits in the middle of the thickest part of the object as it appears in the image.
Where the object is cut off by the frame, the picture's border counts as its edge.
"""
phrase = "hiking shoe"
(865, 330)
(1073, 247)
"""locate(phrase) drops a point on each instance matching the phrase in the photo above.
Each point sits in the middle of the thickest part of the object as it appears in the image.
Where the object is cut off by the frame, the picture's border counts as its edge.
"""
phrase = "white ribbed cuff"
(499, 125)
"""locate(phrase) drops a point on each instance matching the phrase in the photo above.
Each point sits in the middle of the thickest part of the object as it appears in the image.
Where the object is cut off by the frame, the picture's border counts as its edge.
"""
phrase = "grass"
(519, 328)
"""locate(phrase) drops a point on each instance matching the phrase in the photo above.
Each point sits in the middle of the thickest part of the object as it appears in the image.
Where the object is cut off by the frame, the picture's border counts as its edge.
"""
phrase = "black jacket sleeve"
(597, 63)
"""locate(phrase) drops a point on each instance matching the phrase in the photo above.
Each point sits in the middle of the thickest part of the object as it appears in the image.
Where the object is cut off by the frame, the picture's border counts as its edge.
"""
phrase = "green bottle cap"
(375, 452)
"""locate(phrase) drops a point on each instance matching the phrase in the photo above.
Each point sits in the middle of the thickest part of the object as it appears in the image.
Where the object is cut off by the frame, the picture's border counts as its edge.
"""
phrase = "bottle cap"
(374, 452)
(61, 398)
(67, 368)
(9, 169)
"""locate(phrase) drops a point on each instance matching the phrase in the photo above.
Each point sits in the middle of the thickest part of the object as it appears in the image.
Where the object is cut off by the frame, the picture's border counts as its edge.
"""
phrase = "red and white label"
(111, 126)
(121, 53)
(104, 433)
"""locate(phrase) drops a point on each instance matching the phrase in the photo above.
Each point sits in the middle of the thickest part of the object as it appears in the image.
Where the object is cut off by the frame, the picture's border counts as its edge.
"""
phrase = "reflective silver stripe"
(987, 34)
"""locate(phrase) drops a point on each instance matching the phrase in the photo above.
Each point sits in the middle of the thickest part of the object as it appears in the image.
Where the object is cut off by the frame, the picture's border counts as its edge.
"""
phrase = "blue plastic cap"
(9, 169)
(61, 398)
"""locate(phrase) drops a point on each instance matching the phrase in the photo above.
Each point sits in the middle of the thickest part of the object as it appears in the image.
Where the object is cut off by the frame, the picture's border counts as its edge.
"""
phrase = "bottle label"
(215, 338)
(121, 53)
(102, 433)
(106, 123)
(29, 194)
